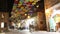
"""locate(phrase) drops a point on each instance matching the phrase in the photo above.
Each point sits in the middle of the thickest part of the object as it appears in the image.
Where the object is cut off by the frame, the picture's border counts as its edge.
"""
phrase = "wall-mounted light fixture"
(2, 15)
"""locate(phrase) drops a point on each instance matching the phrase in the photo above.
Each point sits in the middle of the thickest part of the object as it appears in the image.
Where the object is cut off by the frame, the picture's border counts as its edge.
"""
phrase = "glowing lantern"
(34, 3)
(37, 6)
(25, 14)
(28, 17)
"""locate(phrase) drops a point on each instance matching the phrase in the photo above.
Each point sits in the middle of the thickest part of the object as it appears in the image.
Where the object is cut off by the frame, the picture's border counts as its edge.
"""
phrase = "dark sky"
(6, 5)
(3, 4)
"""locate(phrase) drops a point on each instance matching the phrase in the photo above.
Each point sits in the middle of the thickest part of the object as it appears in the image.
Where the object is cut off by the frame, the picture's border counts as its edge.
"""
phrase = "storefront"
(4, 21)
(53, 16)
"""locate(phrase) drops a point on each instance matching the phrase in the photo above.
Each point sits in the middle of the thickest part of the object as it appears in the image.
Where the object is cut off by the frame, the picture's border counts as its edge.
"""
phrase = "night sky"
(3, 5)
(6, 5)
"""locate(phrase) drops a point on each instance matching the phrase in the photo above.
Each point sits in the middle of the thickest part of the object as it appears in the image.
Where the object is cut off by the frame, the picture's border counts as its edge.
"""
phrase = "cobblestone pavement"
(27, 32)
(18, 32)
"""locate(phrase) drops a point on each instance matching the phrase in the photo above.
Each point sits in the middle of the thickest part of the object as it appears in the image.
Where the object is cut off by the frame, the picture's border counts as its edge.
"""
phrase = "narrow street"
(18, 32)
(27, 32)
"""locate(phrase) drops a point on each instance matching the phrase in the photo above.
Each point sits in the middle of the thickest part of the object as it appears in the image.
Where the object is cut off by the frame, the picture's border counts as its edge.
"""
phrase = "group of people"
(19, 26)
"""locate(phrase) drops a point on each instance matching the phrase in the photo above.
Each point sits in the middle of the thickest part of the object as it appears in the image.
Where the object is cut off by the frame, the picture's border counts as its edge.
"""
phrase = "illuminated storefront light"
(18, 25)
(52, 16)
(30, 21)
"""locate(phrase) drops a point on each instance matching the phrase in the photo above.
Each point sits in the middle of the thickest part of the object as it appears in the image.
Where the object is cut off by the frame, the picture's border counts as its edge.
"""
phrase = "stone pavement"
(18, 32)
(27, 32)
(42, 32)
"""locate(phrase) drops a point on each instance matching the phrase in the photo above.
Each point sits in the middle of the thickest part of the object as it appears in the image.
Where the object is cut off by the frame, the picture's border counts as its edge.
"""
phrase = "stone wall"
(41, 20)
(5, 20)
